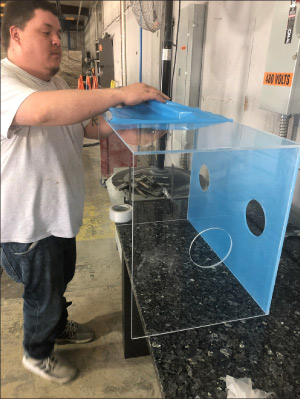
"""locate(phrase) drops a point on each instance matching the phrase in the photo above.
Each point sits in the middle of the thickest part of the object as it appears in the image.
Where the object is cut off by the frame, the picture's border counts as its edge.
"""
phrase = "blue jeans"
(45, 268)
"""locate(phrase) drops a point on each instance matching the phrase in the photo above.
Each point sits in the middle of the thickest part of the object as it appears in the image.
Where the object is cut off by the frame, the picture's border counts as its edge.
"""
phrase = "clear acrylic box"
(210, 209)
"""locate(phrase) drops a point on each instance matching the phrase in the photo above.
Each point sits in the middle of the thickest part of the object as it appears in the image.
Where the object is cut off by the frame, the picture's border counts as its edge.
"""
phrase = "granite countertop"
(195, 362)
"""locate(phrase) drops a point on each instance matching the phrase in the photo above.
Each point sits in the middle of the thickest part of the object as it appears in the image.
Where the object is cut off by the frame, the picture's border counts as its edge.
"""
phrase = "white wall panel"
(151, 45)
(151, 58)
(237, 38)
(132, 48)
(150, 51)
(234, 59)
(114, 30)
(111, 11)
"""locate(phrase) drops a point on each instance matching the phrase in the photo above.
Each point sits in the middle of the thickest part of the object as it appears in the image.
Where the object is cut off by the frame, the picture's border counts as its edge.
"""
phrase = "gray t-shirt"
(42, 186)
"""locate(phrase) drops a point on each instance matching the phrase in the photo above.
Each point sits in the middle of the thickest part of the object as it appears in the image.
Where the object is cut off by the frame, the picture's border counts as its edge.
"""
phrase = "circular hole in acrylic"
(204, 177)
(255, 217)
(210, 248)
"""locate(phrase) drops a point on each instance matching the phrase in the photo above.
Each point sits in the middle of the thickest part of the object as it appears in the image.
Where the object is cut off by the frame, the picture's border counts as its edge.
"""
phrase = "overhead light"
(70, 18)
(2, 4)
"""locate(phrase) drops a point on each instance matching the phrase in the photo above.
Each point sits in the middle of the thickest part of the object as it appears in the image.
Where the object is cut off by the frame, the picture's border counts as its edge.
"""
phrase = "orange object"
(80, 83)
(278, 79)
(88, 85)
(95, 83)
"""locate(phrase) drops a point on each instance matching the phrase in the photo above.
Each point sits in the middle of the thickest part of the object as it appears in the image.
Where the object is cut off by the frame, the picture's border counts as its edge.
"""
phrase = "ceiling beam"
(73, 28)
(65, 10)
(68, 25)
(74, 10)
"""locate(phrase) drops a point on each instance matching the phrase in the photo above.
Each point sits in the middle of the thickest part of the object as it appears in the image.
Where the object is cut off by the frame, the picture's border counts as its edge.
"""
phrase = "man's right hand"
(139, 92)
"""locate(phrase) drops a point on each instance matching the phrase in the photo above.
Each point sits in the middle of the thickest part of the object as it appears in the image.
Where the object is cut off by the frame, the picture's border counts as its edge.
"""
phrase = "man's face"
(40, 45)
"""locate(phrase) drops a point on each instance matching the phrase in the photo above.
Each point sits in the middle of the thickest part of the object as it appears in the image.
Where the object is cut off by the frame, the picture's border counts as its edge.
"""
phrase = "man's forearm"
(65, 107)
(98, 128)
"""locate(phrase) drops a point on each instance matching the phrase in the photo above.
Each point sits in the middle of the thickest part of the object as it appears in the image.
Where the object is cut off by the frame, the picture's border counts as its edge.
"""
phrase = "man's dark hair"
(19, 12)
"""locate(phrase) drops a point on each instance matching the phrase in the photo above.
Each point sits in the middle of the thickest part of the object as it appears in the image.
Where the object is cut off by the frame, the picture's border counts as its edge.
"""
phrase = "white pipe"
(96, 21)
(123, 42)
(79, 12)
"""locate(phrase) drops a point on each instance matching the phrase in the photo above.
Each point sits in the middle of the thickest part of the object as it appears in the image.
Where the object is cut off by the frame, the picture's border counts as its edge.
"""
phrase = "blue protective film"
(154, 112)
(235, 179)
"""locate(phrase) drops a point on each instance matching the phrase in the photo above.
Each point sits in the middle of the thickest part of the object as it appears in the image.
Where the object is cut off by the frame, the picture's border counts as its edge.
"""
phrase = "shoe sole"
(40, 373)
(62, 341)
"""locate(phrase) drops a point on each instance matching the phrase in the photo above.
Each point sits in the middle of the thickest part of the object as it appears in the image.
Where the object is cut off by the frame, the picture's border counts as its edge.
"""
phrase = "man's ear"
(14, 33)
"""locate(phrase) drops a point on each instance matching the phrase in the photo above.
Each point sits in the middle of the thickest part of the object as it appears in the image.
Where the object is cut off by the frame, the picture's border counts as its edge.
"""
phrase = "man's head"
(31, 35)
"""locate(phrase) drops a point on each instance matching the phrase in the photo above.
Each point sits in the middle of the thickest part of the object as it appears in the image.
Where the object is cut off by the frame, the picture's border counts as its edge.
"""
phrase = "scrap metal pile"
(143, 184)
(148, 183)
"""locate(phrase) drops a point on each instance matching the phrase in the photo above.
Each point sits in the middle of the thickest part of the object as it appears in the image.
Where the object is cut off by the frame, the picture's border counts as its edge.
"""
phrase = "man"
(43, 123)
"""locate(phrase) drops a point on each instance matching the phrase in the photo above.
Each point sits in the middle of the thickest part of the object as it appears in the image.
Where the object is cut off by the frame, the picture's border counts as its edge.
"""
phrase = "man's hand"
(139, 92)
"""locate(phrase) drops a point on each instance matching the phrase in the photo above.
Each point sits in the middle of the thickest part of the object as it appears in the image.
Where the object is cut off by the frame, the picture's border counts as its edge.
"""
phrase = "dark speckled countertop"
(195, 362)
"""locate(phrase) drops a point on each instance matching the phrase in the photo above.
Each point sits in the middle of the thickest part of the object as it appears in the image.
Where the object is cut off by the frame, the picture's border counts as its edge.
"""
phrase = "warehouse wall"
(2, 53)
(106, 20)
(76, 41)
(151, 45)
(93, 29)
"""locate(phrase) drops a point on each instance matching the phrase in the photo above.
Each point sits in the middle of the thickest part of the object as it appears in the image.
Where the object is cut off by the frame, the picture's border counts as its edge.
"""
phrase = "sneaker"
(75, 333)
(53, 368)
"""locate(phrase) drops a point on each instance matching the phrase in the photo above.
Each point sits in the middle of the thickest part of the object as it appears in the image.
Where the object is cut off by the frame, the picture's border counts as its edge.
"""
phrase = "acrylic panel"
(236, 178)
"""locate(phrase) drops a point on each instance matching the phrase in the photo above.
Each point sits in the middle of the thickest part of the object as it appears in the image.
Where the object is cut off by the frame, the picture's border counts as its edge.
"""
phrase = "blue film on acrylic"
(154, 112)
(237, 177)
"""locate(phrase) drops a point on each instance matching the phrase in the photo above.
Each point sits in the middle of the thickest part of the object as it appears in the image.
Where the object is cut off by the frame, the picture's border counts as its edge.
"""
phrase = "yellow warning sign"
(278, 79)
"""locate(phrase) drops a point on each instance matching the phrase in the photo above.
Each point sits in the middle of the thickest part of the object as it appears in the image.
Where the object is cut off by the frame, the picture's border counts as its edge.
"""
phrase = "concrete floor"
(96, 295)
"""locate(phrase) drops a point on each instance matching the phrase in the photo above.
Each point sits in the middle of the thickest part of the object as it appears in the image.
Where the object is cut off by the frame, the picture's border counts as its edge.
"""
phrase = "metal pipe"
(141, 56)
(96, 22)
(284, 125)
(167, 50)
(79, 12)
(123, 43)
(69, 40)
(58, 7)
(166, 72)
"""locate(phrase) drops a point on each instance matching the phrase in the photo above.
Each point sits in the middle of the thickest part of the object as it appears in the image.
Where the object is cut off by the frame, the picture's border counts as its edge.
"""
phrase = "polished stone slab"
(196, 361)
(266, 349)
